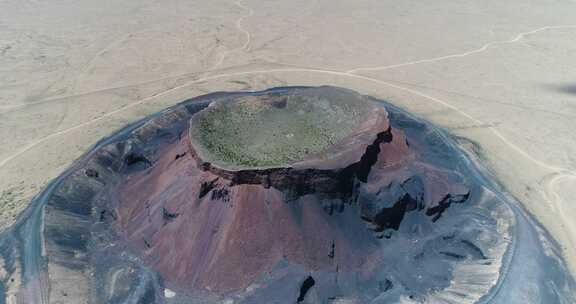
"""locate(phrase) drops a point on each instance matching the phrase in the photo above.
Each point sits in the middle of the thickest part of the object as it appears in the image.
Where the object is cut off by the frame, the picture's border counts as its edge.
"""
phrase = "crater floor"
(277, 130)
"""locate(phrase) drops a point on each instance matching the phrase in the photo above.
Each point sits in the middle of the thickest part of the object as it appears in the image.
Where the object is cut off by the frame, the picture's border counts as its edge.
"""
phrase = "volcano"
(290, 195)
(211, 215)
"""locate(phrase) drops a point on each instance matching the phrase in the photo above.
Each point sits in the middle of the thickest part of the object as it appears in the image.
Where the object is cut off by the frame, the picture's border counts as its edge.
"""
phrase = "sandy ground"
(500, 73)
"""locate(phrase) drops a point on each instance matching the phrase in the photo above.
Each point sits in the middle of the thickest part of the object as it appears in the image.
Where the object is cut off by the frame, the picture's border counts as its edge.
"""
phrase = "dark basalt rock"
(136, 162)
(449, 199)
(92, 173)
(389, 211)
(168, 216)
(206, 187)
(306, 285)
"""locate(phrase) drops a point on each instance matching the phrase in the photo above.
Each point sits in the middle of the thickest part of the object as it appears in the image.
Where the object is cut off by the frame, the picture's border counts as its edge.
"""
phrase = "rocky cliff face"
(306, 177)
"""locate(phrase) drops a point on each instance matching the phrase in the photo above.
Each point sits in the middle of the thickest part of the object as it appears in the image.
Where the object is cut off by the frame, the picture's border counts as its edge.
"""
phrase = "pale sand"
(500, 74)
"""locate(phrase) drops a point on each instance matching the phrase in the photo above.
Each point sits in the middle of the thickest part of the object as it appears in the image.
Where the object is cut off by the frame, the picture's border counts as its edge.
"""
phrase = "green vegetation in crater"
(269, 131)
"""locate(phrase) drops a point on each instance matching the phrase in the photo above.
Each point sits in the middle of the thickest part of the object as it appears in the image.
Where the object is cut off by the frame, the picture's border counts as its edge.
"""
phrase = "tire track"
(468, 53)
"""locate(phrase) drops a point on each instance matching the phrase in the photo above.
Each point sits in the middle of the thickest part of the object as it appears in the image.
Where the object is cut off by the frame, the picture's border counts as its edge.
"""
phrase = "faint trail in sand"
(557, 204)
(90, 63)
(246, 45)
(122, 38)
(468, 53)
(113, 44)
(321, 71)
(280, 70)
(248, 41)
(549, 183)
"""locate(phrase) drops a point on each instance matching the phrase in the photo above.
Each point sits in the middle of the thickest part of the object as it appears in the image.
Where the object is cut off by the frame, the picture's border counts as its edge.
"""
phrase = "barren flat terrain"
(497, 73)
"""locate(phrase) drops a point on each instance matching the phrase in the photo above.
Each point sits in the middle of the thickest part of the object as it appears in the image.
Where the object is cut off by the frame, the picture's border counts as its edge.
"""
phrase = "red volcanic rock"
(207, 227)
